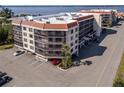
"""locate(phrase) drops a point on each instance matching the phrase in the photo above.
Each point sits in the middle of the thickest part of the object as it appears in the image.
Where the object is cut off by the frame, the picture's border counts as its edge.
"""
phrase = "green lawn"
(6, 46)
(119, 79)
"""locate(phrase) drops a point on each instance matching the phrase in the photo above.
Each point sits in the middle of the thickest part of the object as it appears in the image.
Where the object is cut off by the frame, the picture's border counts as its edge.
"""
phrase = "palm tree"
(66, 61)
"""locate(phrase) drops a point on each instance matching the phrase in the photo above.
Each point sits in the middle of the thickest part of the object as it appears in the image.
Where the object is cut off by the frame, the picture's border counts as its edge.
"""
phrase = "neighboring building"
(44, 35)
(103, 18)
(113, 13)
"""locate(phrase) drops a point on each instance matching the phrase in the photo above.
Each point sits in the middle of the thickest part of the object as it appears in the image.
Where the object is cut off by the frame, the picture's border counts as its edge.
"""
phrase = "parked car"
(96, 40)
(2, 74)
(87, 62)
(76, 63)
(4, 80)
(55, 61)
(7, 78)
(19, 52)
(83, 62)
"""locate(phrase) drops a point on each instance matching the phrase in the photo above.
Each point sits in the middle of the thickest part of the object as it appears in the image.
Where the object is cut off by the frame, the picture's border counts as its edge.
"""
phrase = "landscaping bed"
(119, 79)
(6, 46)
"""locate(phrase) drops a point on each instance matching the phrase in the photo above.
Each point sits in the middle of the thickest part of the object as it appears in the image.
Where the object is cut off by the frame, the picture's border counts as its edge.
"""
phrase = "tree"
(3, 35)
(6, 12)
(119, 82)
(5, 26)
(66, 61)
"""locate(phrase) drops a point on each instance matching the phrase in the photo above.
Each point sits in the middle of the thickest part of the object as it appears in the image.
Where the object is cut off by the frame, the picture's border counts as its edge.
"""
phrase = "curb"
(61, 69)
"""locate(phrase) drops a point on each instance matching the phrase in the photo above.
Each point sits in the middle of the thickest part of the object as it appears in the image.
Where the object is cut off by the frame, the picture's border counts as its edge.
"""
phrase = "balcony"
(17, 28)
(48, 53)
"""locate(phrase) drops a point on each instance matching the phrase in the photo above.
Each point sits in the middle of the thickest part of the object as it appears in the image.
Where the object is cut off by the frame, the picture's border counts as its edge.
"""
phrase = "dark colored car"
(4, 80)
(96, 40)
(86, 62)
(2, 74)
(7, 78)
(76, 63)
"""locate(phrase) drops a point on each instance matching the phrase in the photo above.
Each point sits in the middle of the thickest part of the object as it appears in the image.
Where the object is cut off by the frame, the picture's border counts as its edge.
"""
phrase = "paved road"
(105, 58)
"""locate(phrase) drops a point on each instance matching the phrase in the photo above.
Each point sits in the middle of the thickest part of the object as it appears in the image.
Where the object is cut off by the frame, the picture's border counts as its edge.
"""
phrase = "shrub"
(119, 82)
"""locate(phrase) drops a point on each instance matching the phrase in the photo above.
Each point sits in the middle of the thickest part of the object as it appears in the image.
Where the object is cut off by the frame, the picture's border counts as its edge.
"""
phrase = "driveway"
(105, 57)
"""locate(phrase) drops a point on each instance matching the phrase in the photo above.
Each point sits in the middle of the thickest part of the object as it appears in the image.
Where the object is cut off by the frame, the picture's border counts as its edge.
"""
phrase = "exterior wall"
(28, 41)
(86, 31)
(97, 24)
(72, 39)
(17, 34)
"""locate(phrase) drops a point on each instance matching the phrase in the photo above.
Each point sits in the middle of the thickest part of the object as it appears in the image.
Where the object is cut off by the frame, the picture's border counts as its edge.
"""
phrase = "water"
(56, 9)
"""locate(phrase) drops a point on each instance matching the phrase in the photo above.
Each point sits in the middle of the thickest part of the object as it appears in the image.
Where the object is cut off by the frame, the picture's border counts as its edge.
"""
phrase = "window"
(72, 44)
(30, 35)
(76, 41)
(50, 39)
(58, 52)
(30, 29)
(76, 29)
(25, 45)
(31, 47)
(24, 28)
(58, 46)
(25, 34)
(71, 37)
(51, 46)
(72, 50)
(58, 39)
(76, 35)
(71, 31)
(75, 47)
(25, 39)
(31, 41)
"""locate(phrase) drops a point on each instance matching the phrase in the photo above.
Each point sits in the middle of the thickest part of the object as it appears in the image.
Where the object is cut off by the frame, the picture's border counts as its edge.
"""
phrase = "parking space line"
(40, 65)
(31, 62)
(37, 64)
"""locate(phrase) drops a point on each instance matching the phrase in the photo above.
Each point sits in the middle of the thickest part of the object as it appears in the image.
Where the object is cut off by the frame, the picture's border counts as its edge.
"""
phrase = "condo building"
(44, 35)
(103, 18)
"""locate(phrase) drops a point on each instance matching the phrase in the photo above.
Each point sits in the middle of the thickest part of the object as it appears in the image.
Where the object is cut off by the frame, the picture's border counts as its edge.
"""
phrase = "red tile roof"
(33, 23)
(98, 12)
(84, 17)
(45, 25)
(50, 25)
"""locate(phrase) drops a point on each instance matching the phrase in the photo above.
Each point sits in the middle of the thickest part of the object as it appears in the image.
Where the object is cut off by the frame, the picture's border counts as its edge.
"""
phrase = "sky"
(61, 2)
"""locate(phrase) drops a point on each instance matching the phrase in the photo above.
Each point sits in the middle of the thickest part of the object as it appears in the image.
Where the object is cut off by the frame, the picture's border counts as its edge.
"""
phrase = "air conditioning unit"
(48, 22)
(30, 18)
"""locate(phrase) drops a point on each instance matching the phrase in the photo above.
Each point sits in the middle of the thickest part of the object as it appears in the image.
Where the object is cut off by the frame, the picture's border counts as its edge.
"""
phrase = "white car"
(19, 52)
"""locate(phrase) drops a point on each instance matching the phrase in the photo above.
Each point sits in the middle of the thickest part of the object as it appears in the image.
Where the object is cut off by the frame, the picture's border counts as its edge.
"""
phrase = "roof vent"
(45, 17)
(40, 19)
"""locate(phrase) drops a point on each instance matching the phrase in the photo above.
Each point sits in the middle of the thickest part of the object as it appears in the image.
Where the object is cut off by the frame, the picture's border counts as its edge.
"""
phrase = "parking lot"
(105, 57)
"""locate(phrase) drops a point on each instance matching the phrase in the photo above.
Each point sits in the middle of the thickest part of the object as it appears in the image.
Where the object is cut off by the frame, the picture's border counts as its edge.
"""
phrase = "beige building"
(44, 35)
